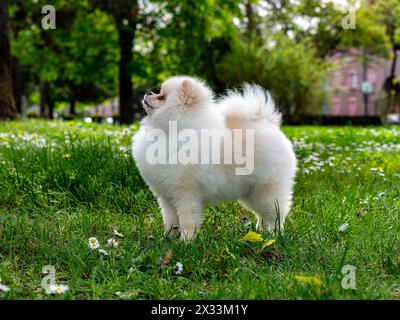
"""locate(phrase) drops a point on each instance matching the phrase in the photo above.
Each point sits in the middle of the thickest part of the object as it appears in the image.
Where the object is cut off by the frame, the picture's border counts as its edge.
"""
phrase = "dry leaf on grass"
(252, 237)
(268, 243)
(167, 258)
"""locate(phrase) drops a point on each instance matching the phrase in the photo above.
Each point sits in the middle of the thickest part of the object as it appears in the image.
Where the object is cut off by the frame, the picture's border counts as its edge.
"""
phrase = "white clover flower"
(116, 233)
(131, 270)
(93, 243)
(123, 149)
(57, 289)
(113, 242)
(178, 268)
(103, 252)
(343, 227)
(4, 288)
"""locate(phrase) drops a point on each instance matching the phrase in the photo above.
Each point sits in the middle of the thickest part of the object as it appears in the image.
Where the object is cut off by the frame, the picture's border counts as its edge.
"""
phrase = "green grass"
(61, 183)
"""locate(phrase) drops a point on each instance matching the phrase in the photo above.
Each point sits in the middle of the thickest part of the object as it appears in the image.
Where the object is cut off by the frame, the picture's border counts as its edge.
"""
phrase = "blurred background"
(323, 61)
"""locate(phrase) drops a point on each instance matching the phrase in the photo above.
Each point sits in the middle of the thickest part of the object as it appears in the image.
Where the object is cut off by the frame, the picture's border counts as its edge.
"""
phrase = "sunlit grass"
(64, 182)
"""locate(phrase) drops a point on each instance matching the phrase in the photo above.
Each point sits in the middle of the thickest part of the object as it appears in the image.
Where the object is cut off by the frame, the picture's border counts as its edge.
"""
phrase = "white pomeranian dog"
(248, 159)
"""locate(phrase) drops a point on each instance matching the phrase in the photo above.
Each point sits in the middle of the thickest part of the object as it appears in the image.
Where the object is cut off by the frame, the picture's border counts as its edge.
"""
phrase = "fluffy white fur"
(183, 191)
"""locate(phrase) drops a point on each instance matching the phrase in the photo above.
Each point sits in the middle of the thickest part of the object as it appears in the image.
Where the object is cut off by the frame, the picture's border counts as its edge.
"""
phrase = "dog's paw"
(187, 236)
(172, 231)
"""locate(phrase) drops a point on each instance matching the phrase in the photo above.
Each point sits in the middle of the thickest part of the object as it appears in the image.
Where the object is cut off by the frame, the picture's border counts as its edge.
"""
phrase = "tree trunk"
(44, 98)
(72, 105)
(7, 103)
(394, 62)
(391, 99)
(250, 21)
(17, 84)
(389, 84)
(365, 65)
(126, 110)
(51, 108)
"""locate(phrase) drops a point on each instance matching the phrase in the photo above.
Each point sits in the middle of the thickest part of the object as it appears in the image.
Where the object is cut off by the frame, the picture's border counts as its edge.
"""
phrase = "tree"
(20, 75)
(90, 76)
(7, 103)
(388, 12)
(275, 52)
(194, 36)
(126, 17)
(320, 24)
(290, 70)
(74, 63)
(37, 49)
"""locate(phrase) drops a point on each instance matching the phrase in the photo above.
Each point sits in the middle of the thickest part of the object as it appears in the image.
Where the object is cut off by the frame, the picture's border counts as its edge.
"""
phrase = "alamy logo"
(50, 277)
(349, 277)
(204, 146)
(49, 20)
(349, 20)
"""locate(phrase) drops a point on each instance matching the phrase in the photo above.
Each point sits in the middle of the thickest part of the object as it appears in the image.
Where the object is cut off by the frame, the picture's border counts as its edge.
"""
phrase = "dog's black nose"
(153, 91)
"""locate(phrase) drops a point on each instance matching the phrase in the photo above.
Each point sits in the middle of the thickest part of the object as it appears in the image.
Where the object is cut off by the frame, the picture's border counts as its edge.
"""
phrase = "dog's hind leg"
(170, 217)
(271, 204)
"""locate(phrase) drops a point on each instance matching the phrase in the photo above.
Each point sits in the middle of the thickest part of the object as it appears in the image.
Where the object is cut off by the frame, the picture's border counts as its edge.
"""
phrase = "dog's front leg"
(190, 213)
(170, 218)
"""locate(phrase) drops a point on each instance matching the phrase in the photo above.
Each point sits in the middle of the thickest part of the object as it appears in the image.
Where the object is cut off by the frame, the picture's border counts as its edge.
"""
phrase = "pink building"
(347, 79)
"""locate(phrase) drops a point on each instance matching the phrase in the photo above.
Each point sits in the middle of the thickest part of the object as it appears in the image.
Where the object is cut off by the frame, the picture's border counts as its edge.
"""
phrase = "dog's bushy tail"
(250, 104)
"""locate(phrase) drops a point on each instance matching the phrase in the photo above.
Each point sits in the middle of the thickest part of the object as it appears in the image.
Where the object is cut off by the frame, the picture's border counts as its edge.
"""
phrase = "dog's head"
(177, 95)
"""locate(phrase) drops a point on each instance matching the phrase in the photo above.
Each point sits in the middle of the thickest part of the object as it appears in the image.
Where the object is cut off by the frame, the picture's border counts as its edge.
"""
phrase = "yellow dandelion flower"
(313, 280)
(66, 155)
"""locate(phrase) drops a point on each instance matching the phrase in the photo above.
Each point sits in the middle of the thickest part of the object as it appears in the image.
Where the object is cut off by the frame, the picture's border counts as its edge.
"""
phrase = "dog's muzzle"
(145, 103)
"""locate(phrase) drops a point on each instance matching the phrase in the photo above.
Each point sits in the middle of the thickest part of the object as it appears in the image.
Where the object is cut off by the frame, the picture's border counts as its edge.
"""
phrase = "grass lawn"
(62, 183)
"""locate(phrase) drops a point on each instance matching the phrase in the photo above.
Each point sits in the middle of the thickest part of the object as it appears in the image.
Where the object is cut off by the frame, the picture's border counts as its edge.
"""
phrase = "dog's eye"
(156, 91)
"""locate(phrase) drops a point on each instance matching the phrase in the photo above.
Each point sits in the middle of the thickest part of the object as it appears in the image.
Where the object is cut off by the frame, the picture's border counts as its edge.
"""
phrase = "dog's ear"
(187, 86)
(189, 94)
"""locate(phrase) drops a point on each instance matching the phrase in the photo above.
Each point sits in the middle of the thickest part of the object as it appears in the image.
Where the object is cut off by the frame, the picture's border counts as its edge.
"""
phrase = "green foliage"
(280, 47)
(368, 35)
(321, 22)
(79, 58)
(187, 33)
(290, 70)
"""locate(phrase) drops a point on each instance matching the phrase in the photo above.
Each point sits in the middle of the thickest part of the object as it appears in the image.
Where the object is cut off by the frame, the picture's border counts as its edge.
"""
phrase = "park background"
(97, 58)
(78, 222)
